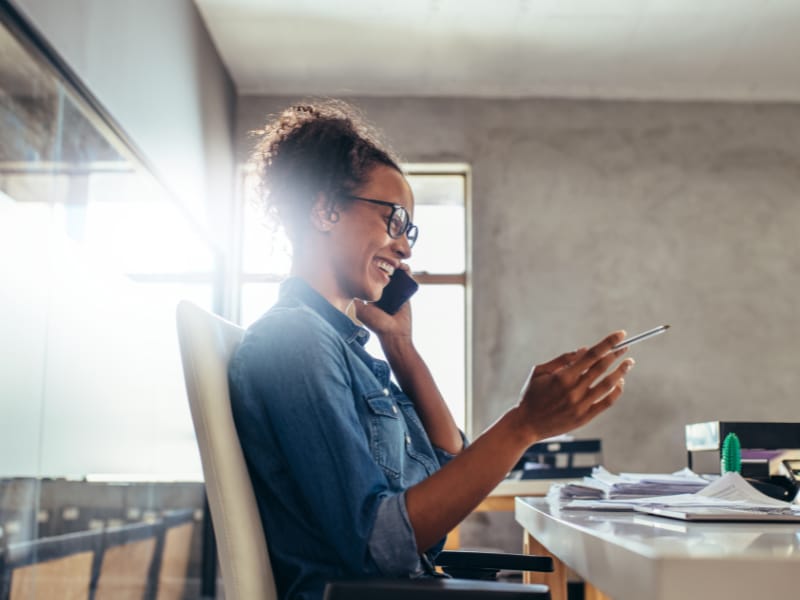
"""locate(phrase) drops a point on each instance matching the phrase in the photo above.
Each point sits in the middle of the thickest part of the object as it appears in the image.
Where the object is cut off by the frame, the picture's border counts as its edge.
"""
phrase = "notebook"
(715, 513)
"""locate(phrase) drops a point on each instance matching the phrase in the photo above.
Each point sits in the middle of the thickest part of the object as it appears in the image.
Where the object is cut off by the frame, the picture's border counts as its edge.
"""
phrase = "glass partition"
(95, 433)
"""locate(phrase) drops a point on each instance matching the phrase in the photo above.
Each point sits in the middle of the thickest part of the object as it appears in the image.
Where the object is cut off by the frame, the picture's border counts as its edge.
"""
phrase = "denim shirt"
(331, 444)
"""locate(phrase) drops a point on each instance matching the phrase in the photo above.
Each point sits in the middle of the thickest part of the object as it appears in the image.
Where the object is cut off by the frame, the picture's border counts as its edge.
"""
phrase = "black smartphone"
(399, 289)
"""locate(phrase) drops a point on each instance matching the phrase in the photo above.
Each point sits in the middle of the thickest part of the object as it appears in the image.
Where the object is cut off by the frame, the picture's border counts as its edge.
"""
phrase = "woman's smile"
(386, 268)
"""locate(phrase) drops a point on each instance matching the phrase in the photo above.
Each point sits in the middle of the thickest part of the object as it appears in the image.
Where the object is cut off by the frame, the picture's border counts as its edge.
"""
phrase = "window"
(95, 255)
(439, 262)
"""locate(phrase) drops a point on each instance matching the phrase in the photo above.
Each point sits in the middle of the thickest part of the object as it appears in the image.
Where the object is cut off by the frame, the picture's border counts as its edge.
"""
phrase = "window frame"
(464, 278)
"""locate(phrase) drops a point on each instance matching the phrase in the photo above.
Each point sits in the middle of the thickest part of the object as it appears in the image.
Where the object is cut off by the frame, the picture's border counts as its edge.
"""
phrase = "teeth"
(384, 266)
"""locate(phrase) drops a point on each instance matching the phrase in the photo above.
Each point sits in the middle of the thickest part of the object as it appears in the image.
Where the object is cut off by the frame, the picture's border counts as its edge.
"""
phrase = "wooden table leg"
(592, 593)
(557, 580)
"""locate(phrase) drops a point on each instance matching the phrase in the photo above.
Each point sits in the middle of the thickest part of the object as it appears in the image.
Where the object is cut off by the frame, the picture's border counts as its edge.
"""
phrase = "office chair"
(206, 344)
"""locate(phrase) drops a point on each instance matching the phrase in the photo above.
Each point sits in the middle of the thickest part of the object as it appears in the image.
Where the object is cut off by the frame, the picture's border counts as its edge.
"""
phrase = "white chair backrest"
(207, 343)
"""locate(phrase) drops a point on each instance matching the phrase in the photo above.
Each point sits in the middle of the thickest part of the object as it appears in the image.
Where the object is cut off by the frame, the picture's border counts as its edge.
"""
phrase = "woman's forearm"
(559, 396)
(440, 502)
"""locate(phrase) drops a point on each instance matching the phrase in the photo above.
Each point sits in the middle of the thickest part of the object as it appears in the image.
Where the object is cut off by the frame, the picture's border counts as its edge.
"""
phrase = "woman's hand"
(569, 391)
(413, 375)
(382, 323)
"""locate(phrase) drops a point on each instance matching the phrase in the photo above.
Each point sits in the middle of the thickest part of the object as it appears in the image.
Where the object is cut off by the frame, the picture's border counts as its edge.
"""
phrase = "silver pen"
(641, 337)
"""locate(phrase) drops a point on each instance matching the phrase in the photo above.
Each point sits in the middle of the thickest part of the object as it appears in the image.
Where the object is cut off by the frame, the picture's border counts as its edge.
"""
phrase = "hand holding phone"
(397, 292)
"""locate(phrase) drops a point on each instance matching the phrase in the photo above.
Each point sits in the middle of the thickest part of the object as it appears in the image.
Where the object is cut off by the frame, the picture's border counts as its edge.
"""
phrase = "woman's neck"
(323, 281)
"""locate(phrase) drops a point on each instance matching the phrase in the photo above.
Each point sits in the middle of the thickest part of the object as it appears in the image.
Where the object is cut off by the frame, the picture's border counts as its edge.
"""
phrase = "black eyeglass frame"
(410, 230)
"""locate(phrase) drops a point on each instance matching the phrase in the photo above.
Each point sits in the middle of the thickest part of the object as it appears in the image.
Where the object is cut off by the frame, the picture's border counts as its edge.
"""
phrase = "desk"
(502, 497)
(635, 557)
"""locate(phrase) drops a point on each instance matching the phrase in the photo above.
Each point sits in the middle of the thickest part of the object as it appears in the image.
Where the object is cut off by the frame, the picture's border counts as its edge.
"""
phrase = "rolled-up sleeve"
(444, 457)
(391, 542)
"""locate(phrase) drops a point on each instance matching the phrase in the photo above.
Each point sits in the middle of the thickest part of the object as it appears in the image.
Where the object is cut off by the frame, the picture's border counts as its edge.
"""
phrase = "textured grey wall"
(590, 216)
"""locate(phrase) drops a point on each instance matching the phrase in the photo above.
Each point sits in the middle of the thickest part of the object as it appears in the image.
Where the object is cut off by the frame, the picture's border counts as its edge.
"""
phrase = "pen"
(642, 336)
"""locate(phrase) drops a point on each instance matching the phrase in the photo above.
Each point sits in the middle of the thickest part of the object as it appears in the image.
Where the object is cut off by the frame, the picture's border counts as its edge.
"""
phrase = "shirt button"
(408, 439)
(385, 391)
(394, 409)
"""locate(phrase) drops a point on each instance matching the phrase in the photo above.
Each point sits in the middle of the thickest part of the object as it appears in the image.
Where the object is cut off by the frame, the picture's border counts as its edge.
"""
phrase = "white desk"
(629, 556)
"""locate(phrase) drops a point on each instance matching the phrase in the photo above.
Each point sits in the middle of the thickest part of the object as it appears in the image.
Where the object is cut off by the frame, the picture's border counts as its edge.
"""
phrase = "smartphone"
(399, 289)
(641, 337)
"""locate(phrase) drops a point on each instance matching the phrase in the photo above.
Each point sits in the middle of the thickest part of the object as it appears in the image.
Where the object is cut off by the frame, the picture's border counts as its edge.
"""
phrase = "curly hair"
(312, 148)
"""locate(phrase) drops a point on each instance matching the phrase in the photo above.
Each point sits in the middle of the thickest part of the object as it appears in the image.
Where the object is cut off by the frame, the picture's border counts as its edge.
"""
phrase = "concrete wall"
(591, 216)
(154, 68)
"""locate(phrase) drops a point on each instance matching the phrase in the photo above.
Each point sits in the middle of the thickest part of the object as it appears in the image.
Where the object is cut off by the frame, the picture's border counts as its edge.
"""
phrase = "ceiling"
(644, 49)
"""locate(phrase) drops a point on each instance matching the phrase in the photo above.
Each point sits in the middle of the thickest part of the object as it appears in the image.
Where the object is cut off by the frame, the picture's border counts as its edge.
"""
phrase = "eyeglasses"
(399, 222)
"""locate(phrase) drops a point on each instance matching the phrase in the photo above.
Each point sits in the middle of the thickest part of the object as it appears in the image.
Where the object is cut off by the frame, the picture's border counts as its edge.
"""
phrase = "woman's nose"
(402, 247)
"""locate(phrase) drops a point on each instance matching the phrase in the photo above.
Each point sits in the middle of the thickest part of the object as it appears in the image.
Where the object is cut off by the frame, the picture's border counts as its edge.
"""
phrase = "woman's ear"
(323, 215)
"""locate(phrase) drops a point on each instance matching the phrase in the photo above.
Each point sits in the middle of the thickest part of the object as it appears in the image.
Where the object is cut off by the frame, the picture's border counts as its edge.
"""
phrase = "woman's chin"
(376, 293)
(375, 290)
(371, 294)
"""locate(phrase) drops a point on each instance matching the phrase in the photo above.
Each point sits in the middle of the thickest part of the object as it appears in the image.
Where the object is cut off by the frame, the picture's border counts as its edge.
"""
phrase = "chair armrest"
(432, 589)
(467, 560)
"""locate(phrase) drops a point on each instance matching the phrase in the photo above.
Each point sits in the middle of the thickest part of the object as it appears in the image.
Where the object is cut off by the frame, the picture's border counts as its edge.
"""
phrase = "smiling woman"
(438, 262)
(358, 466)
(365, 243)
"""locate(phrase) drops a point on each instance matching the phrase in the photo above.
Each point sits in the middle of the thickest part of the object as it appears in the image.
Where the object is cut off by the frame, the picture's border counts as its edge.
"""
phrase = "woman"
(354, 475)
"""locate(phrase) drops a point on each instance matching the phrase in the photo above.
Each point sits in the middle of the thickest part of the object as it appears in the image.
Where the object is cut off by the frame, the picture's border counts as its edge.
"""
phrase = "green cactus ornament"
(731, 460)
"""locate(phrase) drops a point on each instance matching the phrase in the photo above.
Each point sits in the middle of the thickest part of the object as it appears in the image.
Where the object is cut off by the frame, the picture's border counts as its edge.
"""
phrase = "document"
(729, 492)
(605, 485)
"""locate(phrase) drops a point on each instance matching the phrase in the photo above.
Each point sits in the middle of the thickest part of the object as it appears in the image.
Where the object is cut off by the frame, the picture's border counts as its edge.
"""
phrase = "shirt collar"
(299, 289)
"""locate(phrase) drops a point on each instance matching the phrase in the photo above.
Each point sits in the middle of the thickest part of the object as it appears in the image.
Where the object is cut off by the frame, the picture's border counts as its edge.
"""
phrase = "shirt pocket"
(386, 432)
(418, 445)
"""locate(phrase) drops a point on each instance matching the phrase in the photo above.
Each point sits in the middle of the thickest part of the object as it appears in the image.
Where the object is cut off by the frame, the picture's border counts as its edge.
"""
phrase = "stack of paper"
(606, 485)
(729, 492)
(577, 490)
(638, 485)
